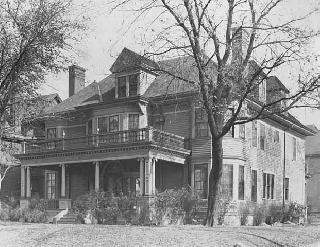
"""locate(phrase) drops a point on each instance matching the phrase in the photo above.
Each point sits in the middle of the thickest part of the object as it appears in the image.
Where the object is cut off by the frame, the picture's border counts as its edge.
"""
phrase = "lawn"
(18, 234)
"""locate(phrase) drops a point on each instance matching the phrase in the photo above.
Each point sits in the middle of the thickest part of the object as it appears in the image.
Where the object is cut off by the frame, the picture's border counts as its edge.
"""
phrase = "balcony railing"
(146, 135)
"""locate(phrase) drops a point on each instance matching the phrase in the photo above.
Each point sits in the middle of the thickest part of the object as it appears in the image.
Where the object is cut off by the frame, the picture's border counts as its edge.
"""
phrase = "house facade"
(138, 131)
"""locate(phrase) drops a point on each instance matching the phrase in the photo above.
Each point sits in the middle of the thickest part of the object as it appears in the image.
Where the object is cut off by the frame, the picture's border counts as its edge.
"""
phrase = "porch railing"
(146, 135)
(52, 203)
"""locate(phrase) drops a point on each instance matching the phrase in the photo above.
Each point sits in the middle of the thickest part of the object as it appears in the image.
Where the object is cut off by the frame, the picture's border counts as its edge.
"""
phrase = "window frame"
(136, 121)
(54, 186)
(227, 181)
(268, 186)
(241, 174)
(276, 136)
(201, 123)
(109, 123)
(122, 88)
(242, 131)
(294, 148)
(254, 185)
(262, 90)
(203, 168)
(131, 85)
(262, 136)
(254, 133)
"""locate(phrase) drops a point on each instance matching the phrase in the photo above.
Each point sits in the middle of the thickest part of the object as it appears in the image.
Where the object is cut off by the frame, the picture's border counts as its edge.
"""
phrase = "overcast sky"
(107, 35)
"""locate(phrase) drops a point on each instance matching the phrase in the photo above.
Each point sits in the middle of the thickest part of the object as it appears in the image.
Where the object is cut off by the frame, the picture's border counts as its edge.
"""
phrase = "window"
(268, 186)
(254, 133)
(276, 136)
(227, 181)
(241, 183)
(51, 133)
(114, 123)
(262, 137)
(286, 189)
(242, 131)
(133, 84)
(89, 127)
(201, 180)
(159, 122)
(102, 124)
(262, 90)
(201, 122)
(254, 185)
(51, 185)
(294, 148)
(122, 88)
(133, 121)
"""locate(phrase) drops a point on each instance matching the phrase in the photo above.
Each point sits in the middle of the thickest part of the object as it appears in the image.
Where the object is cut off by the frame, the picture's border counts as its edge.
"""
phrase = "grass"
(18, 234)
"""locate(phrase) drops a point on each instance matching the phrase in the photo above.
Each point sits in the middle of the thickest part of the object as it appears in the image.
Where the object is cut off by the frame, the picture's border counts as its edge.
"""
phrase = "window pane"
(241, 183)
(294, 148)
(122, 87)
(133, 121)
(201, 179)
(254, 185)
(254, 133)
(262, 136)
(113, 123)
(133, 84)
(242, 131)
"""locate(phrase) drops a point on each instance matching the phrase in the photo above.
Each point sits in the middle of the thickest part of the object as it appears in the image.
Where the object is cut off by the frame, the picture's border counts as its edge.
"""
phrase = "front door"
(51, 185)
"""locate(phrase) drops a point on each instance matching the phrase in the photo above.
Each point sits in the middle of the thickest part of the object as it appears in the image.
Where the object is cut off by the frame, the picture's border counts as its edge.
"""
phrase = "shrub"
(174, 206)
(244, 212)
(259, 215)
(276, 214)
(38, 204)
(33, 216)
(222, 207)
(4, 214)
(104, 207)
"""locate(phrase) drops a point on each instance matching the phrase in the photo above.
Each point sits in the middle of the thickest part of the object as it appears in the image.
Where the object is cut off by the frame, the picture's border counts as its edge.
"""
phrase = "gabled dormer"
(133, 74)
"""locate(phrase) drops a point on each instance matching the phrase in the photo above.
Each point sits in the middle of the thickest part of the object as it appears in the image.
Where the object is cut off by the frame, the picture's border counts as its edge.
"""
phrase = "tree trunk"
(214, 178)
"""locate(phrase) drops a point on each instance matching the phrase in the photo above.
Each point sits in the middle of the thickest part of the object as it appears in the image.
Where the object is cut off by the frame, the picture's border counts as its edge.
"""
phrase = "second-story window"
(122, 88)
(133, 84)
(262, 137)
(254, 133)
(51, 133)
(242, 131)
(201, 123)
(133, 121)
(276, 136)
(103, 124)
(114, 123)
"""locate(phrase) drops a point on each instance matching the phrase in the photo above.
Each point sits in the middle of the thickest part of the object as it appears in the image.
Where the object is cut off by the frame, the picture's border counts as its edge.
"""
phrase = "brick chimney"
(76, 79)
(239, 44)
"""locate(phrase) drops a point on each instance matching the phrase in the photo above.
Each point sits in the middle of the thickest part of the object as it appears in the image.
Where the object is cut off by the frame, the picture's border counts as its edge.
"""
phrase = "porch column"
(28, 183)
(63, 180)
(23, 182)
(96, 177)
(141, 161)
(153, 176)
(149, 176)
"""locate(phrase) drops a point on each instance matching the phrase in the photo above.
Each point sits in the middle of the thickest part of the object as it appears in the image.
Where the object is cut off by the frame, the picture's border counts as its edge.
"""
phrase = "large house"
(139, 131)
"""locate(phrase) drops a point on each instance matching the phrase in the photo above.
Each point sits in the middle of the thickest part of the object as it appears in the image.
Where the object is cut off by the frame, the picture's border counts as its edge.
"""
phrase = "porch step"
(52, 213)
(68, 219)
(200, 214)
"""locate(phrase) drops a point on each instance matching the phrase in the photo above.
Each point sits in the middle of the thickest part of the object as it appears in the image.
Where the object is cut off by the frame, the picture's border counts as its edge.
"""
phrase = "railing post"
(63, 135)
(23, 147)
(150, 134)
(63, 180)
(97, 138)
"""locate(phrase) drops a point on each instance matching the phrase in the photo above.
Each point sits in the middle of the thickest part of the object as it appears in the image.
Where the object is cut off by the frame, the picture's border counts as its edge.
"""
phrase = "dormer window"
(128, 85)
(122, 88)
(133, 84)
(262, 91)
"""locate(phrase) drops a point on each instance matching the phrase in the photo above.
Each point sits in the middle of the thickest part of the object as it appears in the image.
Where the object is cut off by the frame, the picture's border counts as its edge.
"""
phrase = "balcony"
(122, 142)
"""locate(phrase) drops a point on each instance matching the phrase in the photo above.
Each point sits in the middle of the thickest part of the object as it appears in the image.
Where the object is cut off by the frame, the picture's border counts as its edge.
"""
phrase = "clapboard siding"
(177, 123)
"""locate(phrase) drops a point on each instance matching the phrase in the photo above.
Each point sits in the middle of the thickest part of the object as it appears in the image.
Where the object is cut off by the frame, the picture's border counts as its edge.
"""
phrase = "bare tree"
(35, 37)
(208, 32)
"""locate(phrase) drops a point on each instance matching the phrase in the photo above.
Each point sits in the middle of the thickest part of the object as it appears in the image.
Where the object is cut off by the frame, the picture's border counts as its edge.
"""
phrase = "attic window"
(122, 87)
(128, 85)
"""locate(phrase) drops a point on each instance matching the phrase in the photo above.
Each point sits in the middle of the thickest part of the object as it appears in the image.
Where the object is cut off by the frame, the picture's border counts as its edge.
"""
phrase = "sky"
(108, 33)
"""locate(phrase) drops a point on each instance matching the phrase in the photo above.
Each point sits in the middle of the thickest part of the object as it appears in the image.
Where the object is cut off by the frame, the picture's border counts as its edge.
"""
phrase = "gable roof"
(128, 60)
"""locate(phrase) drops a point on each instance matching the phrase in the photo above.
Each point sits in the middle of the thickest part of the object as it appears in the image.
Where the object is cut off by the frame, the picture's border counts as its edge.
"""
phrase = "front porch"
(61, 184)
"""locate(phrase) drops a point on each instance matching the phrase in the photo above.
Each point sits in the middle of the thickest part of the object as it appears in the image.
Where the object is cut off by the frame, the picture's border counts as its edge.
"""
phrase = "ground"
(18, 234)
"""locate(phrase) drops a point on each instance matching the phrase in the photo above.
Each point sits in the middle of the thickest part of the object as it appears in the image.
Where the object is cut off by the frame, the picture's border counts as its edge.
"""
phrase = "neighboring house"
(313, 172)
(15, 133)
(138, 131)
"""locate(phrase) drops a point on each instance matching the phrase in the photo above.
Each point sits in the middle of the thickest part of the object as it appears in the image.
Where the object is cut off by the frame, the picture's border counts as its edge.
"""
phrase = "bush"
(259, 215)
(4, 214)
(222, 207)
(38, 204)
(104, 207)
(174, 206)
(33, 216)
(244, 212)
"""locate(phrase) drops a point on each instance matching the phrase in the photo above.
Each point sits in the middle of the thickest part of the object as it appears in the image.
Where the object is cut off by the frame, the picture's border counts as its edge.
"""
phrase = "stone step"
(68, 219)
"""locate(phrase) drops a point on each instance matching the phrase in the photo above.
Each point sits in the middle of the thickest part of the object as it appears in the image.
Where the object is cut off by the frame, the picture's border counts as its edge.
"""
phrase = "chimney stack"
(76, 79)
(239, 44)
